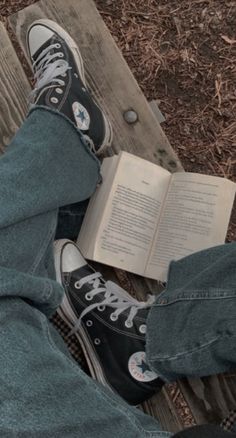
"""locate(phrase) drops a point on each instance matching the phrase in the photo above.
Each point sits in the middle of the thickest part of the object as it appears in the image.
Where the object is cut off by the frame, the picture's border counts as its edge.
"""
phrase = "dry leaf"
(228, 40)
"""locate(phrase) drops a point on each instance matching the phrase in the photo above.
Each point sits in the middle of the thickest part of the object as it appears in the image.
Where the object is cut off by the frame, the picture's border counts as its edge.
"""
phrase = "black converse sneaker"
(109, 324)
(60, 82)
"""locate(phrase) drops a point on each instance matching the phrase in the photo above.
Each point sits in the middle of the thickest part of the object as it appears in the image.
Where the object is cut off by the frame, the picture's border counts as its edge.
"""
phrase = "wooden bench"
(116, 89)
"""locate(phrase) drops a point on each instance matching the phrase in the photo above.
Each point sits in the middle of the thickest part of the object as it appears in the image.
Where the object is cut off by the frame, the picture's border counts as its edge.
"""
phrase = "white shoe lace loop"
(48, 67)
(114, 297)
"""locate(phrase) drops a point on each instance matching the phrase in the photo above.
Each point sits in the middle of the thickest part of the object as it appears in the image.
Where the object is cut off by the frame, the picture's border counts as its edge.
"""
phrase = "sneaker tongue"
(41, 43)
(82, 272)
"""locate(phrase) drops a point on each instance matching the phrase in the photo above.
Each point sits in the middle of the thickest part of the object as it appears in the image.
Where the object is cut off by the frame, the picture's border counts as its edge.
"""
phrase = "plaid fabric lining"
(229, 423)
(71, 342)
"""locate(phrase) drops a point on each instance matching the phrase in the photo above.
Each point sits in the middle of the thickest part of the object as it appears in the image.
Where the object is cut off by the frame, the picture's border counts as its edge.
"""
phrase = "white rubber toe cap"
(67, 257)
(37, 36)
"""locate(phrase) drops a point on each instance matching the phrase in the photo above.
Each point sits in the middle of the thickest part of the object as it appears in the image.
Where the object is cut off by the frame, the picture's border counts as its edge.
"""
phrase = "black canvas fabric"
(74, 91)
(117, 343)
(115, 352)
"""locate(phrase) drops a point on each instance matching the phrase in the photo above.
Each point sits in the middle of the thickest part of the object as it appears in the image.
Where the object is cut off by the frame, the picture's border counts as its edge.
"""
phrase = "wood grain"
(117, 91)
(211, 398)
(14, 88)
(161, 407)
(112, 83)
(108, 75)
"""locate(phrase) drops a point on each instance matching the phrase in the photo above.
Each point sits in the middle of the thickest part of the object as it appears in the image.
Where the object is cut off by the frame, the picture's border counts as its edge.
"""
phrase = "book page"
(96, 207)
(195, 217)
(132, 213)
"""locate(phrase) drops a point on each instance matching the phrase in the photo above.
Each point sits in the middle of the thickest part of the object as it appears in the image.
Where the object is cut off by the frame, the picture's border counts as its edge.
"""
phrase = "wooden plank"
(116, 90)
(161, 407)
(156, 110)
(14, 90)
(112, 82)
(108, 76)
(211, 398)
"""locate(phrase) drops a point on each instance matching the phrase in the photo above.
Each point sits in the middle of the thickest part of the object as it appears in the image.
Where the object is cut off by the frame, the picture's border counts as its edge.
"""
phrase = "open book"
(142, 216)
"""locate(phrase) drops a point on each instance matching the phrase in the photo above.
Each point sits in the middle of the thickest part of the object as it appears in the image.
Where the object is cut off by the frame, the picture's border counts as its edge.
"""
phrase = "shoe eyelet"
(113, 317)
(77, 285)
(101, 308)
(128, 324)
(54, 100)
(88, 297)
(57, 45)
(89, 323)
(60, 54)
(64, 75)
(59, 90)
(97, 341)
(143, 329)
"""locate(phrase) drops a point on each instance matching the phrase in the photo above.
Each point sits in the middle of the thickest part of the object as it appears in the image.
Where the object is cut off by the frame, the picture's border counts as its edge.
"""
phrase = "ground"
(182, 53)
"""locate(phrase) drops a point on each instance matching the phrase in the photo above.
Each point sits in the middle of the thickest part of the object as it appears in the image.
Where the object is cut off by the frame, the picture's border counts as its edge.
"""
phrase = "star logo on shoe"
(139, 368)
(81, 115)
(144, 367)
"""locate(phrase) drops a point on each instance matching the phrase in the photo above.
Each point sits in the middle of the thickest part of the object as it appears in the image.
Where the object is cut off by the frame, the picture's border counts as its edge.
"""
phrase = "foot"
(60, 82)
(109, 324)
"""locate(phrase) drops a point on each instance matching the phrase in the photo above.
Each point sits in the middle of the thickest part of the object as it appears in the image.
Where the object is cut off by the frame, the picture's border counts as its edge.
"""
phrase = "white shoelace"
(114, 296)
(48, 67)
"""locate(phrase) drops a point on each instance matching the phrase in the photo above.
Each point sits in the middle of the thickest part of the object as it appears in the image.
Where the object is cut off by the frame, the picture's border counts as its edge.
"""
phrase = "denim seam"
(187, 353)
(47, 292)
(227, 294)
(134, 421)
(44, 294)
(219, 289)
(160, 434)
(41, 251)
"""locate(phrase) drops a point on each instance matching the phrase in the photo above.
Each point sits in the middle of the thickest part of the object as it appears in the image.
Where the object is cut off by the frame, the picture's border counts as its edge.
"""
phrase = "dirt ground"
(182, 53)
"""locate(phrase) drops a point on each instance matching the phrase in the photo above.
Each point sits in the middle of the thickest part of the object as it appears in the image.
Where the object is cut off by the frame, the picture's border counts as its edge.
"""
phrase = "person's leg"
(43, 392)
(39, 172)
(189, 330)
(200, 302)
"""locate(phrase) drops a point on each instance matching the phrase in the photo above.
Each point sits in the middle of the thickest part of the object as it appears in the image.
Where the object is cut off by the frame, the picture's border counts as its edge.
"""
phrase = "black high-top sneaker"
(60, 82)
(109, 324)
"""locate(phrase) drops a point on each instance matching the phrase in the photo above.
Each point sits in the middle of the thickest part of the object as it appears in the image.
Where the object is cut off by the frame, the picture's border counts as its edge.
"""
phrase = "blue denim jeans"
(43, 392)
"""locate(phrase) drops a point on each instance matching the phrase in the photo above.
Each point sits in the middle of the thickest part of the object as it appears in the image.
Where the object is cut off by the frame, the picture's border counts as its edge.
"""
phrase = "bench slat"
(15, 90)
(108, 76)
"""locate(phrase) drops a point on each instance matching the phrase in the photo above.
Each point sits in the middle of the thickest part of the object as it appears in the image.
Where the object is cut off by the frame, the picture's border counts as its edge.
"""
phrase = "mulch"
(182, 53)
